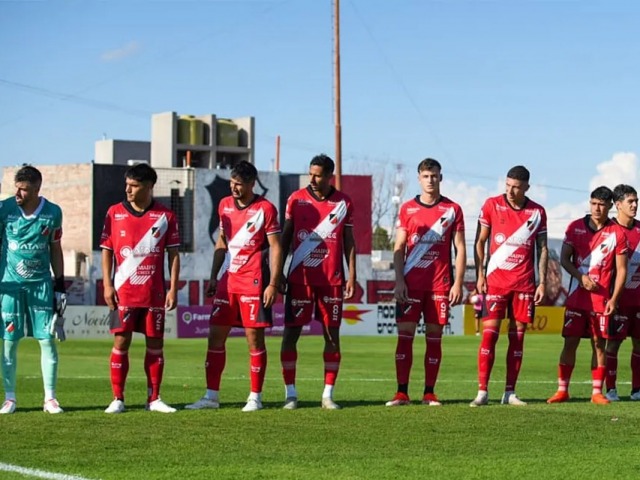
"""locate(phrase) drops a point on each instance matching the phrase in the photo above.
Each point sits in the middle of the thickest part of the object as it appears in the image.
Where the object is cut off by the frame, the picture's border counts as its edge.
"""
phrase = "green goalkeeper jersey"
(25, 255)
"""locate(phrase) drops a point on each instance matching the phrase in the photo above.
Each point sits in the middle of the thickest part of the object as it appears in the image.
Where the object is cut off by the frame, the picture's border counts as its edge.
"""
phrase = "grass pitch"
(364, 440)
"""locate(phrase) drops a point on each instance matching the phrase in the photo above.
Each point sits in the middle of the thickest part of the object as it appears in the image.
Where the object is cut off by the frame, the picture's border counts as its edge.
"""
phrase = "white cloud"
(119, 53)
(622, 168)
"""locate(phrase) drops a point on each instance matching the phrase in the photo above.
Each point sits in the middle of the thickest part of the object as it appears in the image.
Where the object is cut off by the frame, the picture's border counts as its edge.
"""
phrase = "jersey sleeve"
(173, 234)
(105, 237)
(485, 214)
(271, 223)
(622, 244)
(458, 225)
(56, 235)
(288, 213)
(349, 218)
(568, 236)
(402, 222)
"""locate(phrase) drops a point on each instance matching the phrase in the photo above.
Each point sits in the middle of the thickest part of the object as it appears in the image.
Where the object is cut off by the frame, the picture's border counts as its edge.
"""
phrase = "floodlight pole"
(336, 80)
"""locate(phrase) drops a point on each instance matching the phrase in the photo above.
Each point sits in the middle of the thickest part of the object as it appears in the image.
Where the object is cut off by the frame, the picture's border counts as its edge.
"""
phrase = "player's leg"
(153, 329)
(635, 368)
(615, 331)
(436, 315)
(122, 324)
(598, 362)
(258, 367)
(520, 315)
(576, 325)
(332, 357)
(12, 331)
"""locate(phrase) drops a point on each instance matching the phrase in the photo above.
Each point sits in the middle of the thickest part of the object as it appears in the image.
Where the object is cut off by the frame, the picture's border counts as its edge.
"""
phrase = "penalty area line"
(32, 472)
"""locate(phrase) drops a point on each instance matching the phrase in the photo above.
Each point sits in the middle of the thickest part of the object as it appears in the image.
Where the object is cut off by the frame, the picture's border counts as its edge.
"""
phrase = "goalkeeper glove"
(59, 296)
(57, 327)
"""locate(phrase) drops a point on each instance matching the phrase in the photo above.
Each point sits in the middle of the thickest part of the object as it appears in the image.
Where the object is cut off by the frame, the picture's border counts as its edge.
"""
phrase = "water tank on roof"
(227, 133)
(190, 130)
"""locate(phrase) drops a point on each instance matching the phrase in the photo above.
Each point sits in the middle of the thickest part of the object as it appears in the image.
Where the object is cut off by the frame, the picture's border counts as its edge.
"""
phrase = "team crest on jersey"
(333, 218)
(251, 227)
(604, 248)
(44, 230)
(155, 232)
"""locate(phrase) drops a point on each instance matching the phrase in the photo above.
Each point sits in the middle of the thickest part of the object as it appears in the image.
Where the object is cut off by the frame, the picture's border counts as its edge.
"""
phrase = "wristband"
(58, 285)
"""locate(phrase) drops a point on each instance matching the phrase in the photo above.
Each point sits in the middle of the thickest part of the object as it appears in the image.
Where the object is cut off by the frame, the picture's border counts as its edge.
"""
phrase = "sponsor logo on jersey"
(120, 216)
(499, 238)
(412, 210)
(327, 299)
(249, 298)
(441, 298)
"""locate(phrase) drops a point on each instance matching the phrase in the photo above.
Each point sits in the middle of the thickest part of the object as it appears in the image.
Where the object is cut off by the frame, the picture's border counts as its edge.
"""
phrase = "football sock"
(328, 391)
(213, 367)
(404, 358)
(514, 358)
(288, 361)
(486, 356)
(290, 391)
(564, 377)
(597, 378)
(611, 370)
(119, 365)
(635, 371)
(403, 388)
(258, 361)
(9, 365)
(432, 359)
(331, 367)
(153, 367)
(49, 366)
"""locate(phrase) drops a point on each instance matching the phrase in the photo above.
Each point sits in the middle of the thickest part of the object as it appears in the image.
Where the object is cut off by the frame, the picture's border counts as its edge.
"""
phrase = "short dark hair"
(429, 164)
(245, 171)
(602, 193)
(29, 174)
(620, 192)
(142, 172)
(519, 172)
(325, 162)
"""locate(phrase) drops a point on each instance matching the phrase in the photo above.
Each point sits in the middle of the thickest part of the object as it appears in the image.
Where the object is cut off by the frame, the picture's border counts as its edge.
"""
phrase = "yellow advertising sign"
(546, 320)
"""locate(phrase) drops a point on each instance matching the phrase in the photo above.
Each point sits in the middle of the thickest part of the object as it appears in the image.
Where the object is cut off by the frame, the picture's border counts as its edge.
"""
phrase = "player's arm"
(110, 294)
(57, 261)
(350, 256)
(566, 260)
(171, 300)
(459, 243)
(275, 264)
(219, 252)
(618, 286)
(482, 237)
(543, 260)
(399, 250)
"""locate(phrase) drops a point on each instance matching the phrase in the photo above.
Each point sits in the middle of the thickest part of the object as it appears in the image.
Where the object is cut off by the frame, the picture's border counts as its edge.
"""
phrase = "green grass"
(364, 440)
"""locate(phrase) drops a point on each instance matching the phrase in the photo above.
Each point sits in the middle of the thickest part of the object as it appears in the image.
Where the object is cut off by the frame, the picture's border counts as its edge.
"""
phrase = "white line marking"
(31, 472)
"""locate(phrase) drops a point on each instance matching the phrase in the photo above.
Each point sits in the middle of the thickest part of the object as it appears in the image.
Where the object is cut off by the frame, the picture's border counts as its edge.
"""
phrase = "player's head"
(600, 203)
(242, 179)
(430, 176)
(139, 181)
(28, 180)
(626, 200)
(320, 172)
(517, 185)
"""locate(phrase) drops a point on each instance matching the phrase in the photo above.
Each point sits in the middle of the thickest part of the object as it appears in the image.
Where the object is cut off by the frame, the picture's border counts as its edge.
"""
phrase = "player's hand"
(111, 297)
(455, 294)
(269, 295)
(57, 327)
(400, 291)
(610, 307)
(211, 288)
(171, 301)
(349, 289)
(588, 284)
(481, 284)
(539, 294)
(282, 285)
(59, 302)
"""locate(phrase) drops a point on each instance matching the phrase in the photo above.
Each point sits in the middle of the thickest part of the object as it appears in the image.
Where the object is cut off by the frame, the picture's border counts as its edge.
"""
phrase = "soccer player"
(594, 252)
(31, 232)
(244, 283)
(428, 226)
(515, 227)
(319, 228)
(626, 321)
(136, 233)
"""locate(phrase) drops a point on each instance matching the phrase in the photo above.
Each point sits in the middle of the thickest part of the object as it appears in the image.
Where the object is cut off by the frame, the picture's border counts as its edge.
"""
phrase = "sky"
(479, 85)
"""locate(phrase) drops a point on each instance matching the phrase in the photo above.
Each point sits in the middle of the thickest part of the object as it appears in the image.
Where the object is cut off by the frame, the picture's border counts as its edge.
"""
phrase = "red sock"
(213, 367)
(432, 359)
(564, 377)
(514, 358)
(331, 367)
(597, 378)
(288, 361)
(119, 365)
(486, 356)
(635, 371)
(153, 367)
(404, 357)
(612, 370)
(258, 361)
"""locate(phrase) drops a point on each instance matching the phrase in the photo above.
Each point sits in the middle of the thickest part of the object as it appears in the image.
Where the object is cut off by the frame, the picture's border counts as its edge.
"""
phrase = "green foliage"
(381, 239)
(364, 440)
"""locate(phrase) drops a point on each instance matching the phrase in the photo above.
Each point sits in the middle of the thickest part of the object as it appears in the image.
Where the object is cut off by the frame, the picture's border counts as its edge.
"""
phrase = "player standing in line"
(136, 233)
(428, 227)
(594, 252)
(244, 282)
(627, 319)
(319, 228)
(30, 231)
(516, 229)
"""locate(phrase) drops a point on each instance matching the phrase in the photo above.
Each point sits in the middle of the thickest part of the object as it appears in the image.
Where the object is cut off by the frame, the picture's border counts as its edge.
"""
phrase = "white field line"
(31, 472)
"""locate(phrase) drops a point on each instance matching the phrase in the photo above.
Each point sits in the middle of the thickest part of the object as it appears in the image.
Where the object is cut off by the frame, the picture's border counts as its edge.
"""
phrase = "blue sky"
(479, 85)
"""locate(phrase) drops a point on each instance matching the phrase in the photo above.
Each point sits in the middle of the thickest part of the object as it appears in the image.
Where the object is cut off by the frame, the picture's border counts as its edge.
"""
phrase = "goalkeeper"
(31, 304)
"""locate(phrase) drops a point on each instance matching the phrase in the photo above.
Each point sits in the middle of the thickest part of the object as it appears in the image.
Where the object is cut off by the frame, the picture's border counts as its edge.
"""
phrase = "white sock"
(328, 391)
(255, 396)
(211, 394)
(49, 394)
(10, 396)
(290, 391)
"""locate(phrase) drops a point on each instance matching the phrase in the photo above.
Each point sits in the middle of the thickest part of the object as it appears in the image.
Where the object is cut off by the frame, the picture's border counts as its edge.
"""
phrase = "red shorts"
(305, 302)
(587, 324)
(432, 306)
(518, 306)
(149, 321)
(239, 310)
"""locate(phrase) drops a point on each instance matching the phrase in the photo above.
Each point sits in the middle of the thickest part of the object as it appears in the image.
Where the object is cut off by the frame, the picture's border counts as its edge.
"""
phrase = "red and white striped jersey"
(318, 236)
(512, 242)
(138, 241)
(430, 232)
(631, 293)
